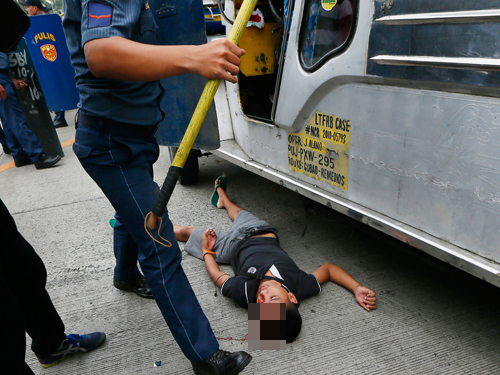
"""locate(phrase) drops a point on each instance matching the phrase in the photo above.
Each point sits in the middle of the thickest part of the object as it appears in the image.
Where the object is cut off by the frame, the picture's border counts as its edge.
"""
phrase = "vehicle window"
(326, 28)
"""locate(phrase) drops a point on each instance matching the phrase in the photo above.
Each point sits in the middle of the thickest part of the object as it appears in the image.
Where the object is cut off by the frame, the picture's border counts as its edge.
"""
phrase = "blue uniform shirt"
(4, 61)
(129, 102)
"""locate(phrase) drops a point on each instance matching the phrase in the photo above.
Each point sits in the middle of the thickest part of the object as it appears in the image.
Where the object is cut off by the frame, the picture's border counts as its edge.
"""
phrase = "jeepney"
(387, 111)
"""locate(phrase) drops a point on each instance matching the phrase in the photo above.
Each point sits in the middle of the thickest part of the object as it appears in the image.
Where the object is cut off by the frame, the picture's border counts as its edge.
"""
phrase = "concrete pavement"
(431, 318)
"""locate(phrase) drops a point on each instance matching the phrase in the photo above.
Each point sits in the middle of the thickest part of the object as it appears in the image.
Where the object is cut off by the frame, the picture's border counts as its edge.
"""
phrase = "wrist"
(207, 252)
(355, 287)
(186, 62)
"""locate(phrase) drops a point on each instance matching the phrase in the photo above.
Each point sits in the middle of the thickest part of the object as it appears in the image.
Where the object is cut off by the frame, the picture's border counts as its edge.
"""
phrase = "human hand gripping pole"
(194, 126)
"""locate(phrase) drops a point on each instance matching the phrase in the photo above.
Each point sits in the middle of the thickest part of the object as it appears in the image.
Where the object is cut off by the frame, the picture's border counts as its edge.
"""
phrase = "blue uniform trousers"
(20, 139)
(122, 167)
(3, 142)
(59, 116)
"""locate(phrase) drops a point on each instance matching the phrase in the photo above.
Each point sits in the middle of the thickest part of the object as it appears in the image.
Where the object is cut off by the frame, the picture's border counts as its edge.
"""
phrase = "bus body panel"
(419, 158)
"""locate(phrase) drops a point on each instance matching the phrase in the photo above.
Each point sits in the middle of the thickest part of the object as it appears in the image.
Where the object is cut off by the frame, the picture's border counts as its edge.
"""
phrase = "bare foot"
(222, 196)
(183, 233)
(208, 240)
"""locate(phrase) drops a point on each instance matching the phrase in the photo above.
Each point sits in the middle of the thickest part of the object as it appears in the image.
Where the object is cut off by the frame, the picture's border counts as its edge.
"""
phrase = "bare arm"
(123, 59)
(335, 274)
(214, 271)
(207, 244)
(365, 297)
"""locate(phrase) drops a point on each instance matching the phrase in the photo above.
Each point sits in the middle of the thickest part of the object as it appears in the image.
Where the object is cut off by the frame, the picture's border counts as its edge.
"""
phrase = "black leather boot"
(222, 363)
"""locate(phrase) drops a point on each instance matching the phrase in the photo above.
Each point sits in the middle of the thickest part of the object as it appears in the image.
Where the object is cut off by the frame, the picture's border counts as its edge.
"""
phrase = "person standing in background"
(23, 143)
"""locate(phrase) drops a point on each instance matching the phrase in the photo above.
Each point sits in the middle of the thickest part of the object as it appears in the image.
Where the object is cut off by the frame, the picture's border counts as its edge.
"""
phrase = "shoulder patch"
(100, 15)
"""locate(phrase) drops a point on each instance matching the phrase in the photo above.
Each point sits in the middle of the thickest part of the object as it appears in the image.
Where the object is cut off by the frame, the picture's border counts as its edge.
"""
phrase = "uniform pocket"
(147, 22)
(81, 151)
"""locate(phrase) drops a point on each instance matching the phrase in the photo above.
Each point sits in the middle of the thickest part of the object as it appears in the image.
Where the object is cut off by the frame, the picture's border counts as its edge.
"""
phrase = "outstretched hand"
(365, 297)
(208, 240)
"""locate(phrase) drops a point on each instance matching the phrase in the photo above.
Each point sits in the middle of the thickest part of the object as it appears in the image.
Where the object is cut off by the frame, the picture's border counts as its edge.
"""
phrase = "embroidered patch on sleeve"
(100, 15)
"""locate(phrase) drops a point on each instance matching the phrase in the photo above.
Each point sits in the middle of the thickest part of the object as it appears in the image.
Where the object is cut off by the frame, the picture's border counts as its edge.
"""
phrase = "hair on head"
(293, 322)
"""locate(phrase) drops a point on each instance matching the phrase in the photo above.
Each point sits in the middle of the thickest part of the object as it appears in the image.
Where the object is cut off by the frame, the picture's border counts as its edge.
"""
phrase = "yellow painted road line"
(7, 166)
(12, 164)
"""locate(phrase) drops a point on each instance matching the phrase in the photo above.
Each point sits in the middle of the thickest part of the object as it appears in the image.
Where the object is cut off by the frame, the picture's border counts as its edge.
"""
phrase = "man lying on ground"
(264, 272)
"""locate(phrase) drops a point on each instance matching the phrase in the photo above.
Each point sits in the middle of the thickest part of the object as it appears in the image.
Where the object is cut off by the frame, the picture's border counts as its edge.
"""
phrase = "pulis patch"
(100, 15)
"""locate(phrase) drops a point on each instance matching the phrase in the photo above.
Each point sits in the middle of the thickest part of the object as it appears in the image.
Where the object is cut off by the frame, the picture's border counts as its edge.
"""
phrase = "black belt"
(116, 128)
(250, 232)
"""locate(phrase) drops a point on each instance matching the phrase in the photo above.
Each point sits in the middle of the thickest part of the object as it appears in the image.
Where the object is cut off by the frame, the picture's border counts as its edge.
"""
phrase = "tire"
(189, 174)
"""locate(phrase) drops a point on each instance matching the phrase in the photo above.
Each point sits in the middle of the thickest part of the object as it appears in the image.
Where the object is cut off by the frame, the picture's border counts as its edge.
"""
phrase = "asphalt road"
(431, 318)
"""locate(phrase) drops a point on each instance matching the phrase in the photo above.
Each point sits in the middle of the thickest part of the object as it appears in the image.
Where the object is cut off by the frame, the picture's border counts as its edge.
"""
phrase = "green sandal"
(215, 196)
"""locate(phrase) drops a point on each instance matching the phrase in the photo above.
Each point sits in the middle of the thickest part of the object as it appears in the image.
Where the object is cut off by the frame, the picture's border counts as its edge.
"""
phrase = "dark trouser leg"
(16, 124)
(12, 143)
(12, 335)
(126, 253)
(25, 275)
(59, 116)
(122, 167)
(3, 142)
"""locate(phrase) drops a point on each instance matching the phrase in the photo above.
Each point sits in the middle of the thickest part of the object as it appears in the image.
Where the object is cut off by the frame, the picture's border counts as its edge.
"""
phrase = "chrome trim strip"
(469, 63)
(469, 16)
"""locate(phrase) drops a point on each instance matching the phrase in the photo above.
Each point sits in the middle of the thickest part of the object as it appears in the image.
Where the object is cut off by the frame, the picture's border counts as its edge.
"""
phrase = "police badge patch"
(49, 52)
(100, 15)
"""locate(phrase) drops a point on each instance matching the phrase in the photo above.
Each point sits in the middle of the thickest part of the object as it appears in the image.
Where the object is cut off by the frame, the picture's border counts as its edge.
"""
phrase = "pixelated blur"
(266, 326)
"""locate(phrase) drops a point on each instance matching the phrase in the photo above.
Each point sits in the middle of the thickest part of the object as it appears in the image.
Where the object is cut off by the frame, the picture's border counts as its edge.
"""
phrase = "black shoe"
(6, 150)
(25, 160)
(222, 363)
(47, 161)
(139, 287)
(60, 123)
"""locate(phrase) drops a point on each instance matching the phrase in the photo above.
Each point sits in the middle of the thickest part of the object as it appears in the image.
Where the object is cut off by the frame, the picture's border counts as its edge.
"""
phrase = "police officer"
(117, 66)
(36, 8)
(24, 145)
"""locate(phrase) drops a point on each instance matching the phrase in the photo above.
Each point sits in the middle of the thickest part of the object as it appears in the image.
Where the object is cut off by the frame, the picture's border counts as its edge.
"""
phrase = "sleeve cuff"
(319, 285)
(222, 286)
